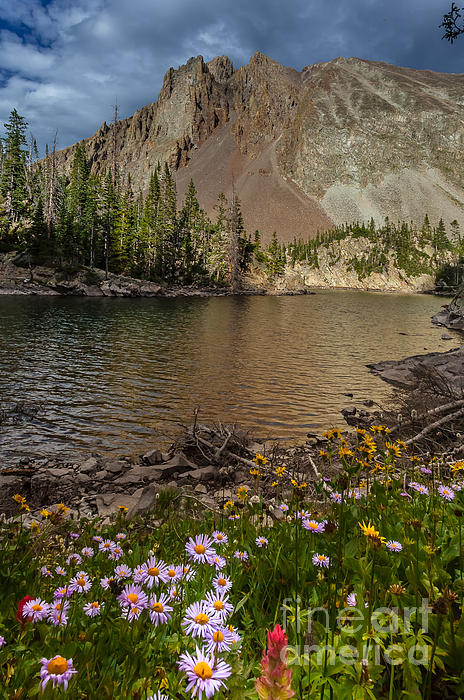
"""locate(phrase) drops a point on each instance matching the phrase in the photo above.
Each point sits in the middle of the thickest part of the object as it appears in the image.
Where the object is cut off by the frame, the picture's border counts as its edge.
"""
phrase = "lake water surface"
(113, 375)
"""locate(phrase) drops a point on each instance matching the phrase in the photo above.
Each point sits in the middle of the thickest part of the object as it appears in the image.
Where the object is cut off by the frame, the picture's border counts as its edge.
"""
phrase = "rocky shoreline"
(43, 281)
(18, 280)
(209, 463)
(403, 373)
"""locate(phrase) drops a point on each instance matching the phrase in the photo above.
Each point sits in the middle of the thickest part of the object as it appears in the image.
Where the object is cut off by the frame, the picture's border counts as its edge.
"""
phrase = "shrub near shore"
(366, 578)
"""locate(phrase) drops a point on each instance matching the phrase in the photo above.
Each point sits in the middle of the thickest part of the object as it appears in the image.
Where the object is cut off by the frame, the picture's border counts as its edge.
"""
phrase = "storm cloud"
(64, 64)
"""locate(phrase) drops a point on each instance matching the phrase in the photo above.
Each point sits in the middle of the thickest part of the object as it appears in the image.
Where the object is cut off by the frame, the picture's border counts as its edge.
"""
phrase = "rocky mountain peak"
(221, 68)
(343, 140)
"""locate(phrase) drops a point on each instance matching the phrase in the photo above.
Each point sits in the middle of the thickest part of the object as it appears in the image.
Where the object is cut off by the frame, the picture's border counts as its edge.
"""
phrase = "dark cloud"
(63, 64)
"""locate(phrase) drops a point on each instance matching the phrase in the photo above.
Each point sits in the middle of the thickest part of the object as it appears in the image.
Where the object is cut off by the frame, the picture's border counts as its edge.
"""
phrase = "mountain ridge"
(337, 141)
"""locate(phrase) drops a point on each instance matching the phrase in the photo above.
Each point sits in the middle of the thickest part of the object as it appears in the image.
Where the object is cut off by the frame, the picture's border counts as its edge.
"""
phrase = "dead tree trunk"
(51, 190)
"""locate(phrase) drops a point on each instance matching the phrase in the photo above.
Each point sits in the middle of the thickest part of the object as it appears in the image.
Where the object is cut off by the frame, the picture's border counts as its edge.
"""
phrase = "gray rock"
(136, 475)
(145, 502)
(102, 475)
(202, 474)
(9, 481)
(115, 467)
(60, 473)
(201, 488)
(402, 373)
(153, 457)
(82, 478)
(108, 503)
(445, 336)
(179, 463)
(89, 465)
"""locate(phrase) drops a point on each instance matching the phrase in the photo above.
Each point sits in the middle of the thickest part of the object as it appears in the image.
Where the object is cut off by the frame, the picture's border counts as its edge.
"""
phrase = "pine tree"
(218, 256)
(39, 243)
(166, 227)
(78, 196)
(13, 182)
(275, 263)
(236, 232)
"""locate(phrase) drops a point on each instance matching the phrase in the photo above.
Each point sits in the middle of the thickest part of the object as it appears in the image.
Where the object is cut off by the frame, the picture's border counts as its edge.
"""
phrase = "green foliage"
(408, 602)
(13, 176)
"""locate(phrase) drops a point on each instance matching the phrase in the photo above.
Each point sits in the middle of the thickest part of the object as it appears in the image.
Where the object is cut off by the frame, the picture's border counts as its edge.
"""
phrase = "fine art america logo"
(376, 646)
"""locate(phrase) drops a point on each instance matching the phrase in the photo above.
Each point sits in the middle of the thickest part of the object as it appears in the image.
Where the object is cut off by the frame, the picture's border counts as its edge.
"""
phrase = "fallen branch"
(432, 412)
(430, 428)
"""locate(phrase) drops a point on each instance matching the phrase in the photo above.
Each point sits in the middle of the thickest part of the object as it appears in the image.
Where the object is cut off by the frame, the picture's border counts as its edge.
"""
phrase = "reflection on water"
(112, 373)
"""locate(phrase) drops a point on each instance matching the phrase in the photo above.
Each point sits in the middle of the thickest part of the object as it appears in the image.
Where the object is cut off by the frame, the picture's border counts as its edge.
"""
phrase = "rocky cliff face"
(338, 141)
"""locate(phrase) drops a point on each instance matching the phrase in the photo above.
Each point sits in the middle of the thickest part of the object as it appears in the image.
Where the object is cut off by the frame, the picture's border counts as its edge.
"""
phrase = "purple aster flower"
(336, 497)
(74, 535)
(262, 542)
(355, 493)
(217, 561)
(283, 507)
(139, 574)
(426, 470)
(58, 670)
(106, 581)
(121, 536)
(200, 549)
(97, 538)
(222, 583)
(58, 612)
(116, 553)
(394, 546)
(200, 620)
(60, 571)
(133, 595)
(74, 559)
(241, 555)
(189, 573)
(220, 641)
(2, 641)
(107, 546)
(446, 492)
(45, 571)
(36, 610)
(93, 609)
(87, 552)
(303, 514)
(420, 488)
(132, 613)
(205, 674)
(159, 609)
(220, 537)
(121, 572)
(351, 600)
(321, 560)
(80, 583)
(174, 573)
(218, 602)
(176, 594)
(155, 572)
(313, 526)
(62, 592)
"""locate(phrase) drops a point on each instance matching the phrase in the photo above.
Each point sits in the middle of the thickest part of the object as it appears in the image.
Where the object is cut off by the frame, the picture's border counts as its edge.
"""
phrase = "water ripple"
(114, 373)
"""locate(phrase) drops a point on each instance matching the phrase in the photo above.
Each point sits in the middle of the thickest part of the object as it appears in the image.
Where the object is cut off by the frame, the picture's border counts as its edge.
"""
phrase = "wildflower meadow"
(350, 586)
